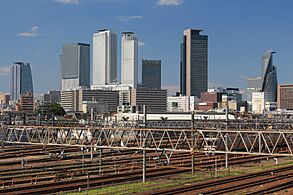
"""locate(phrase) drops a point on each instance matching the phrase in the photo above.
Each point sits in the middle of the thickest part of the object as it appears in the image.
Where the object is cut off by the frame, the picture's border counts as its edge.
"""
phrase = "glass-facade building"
(75, 66)
(21, 81)
(269, 77)
(193, 63)
(151, 74)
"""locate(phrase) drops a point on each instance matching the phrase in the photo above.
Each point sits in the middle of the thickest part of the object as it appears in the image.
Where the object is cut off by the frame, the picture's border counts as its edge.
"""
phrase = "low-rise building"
(124, 91)
(73, 100)
(96, 106)
(258, 102)
(26, 102)
(52, 97)
(4, 99)
(180, 103)
(154, 99)
(285, 97)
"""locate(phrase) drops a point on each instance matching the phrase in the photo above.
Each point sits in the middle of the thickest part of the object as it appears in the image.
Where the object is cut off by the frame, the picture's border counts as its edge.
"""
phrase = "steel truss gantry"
(263, 124)
(270, 142)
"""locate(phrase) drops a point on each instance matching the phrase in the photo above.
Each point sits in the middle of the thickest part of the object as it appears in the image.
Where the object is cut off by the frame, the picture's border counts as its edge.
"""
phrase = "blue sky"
(239, 32)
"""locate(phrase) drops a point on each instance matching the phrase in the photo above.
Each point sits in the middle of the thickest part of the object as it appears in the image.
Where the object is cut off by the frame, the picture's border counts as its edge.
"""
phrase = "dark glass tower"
(21, 81)
(194, 63)
(151, 74)
(269, 77)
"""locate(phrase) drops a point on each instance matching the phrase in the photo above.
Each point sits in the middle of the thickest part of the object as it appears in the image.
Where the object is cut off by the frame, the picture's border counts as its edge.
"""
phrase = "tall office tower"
(254, 84)
(21, 81)
(75, 66)
(194, 63)
(129, 58)
(151, 74)
(104, 57)
(269, 77)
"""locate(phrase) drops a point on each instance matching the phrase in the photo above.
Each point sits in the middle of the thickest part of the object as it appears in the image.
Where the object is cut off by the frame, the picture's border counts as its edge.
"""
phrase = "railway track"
(45, 175)
(234, 184)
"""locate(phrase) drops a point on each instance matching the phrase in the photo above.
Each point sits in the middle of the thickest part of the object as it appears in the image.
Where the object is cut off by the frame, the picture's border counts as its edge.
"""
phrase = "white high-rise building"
(104, 57)
(129, 59)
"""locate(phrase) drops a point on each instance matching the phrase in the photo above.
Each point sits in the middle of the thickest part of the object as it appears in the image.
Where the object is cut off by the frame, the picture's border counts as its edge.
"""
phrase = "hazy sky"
(239, 32)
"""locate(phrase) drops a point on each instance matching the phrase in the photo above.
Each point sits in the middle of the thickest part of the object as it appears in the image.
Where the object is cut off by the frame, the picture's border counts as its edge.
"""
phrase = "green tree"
(56, 109)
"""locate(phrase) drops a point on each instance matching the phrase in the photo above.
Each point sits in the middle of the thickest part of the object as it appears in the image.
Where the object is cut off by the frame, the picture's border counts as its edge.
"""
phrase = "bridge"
(224, 141)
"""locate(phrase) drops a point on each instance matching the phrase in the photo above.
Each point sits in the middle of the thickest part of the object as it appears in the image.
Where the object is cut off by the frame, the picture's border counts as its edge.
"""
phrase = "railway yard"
(36, 169)
(217, 158)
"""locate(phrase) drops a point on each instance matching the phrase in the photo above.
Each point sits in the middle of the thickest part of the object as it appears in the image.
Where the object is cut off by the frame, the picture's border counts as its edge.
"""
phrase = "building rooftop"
(127, 32)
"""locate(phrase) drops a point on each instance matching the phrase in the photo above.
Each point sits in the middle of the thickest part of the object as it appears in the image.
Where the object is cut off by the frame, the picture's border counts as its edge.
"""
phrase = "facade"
(154, 99)
(73, 100)
(209, 100)
(129, 59)
(180, 104)
(211, 97)
(285, 97)
(124, 91)
(75, 66)
(26, 103)
(151, 74)
(4, 99)
(254, 84)
(269, 77)
(104, 57)
(95, 106)
(21, 81)
(258, 102)
(194, 63)
(68, 100)
(52, 97)
(232, 94)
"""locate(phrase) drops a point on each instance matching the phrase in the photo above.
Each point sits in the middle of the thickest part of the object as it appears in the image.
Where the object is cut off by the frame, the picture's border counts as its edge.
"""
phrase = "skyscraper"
(75, 66)
(254, 84)
(269, 77)
(129, 59)
(20, 80)
(151, 74)
(194, 63)
(104, 57)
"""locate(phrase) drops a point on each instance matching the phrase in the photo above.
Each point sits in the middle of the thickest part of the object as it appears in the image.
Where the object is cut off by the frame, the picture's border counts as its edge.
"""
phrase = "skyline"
(239, 33)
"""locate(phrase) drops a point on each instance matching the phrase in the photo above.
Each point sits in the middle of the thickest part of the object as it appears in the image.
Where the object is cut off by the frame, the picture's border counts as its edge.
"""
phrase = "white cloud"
(169, 2)
(4, 70)
(141, 44)
(127, 18)
(33, 32)
(67, 1)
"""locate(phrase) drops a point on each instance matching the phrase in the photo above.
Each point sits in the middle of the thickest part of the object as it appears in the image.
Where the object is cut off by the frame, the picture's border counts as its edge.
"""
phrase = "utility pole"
(192, 120)
(226, 155)
(92, 151)
(143, 160)
(88, 182)
(145, 115)
(216, 167)
(144, 165)
(92, 116)
(192, 163)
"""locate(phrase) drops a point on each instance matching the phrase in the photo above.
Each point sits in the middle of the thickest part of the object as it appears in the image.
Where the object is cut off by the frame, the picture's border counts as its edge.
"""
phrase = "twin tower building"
(75, 61)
